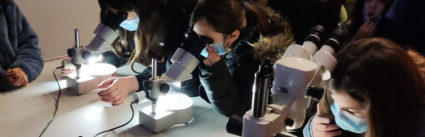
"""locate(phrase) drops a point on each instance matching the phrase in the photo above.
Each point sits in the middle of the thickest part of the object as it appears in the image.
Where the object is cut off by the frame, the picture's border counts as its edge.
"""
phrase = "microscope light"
(95, 59)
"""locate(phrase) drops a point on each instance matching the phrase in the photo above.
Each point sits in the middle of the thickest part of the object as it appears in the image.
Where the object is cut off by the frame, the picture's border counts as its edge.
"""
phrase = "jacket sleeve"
(28, 54)
(307, 131)
(221, 91)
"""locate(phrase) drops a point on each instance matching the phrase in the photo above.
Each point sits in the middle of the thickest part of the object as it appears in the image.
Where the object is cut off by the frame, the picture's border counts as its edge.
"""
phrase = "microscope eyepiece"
(318, 30)
(336, 39)
(316, 34)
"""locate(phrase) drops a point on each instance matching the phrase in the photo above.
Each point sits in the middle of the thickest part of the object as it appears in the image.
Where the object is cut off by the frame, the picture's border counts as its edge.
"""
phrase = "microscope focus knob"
(71, 52)
(315, 92)
(86, 55)
(164, 88)
(147, 85)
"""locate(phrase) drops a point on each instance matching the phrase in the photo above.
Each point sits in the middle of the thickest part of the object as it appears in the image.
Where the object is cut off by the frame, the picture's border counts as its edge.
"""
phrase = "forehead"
(344, 100)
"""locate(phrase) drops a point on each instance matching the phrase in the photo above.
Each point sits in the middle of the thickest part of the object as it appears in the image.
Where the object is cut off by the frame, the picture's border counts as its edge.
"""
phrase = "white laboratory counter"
(25, 113)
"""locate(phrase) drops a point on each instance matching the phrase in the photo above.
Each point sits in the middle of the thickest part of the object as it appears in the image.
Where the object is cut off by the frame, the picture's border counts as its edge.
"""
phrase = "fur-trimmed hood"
(274, 47)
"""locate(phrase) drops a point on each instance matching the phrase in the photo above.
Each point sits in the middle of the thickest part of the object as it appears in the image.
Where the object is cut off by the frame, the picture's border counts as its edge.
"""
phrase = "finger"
(319, 110)
(209, 48)
(108, 91)
(119, 102)
(373, 28)
(327, 127)
(112, 94)
(368, 23)
(67, 71)
(207, 63)
(107, 99)
(321, 120)
(331, 133)
(20, 82)
(210, 59)
(106, 83)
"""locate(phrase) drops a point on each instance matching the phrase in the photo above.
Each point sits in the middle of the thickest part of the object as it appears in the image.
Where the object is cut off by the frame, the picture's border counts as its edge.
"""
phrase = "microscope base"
(91, 76)
(167, 115)
(82, 85)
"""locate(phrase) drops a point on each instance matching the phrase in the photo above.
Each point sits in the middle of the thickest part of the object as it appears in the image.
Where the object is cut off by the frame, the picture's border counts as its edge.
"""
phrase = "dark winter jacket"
(228, 84)
(18, 45)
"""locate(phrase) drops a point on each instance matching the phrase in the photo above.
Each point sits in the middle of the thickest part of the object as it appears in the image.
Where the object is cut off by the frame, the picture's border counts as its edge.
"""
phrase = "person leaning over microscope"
(228, 70)
(158, 27)
(20, 56)
(376, 90)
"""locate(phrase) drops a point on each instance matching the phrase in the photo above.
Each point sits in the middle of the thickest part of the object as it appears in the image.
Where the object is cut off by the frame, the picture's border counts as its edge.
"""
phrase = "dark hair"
(226, 16)
(124, 45)
(120, 5)
(356, 17)
(385, 79)
(150, 30)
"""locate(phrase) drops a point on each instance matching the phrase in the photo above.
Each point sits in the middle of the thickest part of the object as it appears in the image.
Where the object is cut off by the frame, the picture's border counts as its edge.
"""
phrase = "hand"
(366, 30)
(117, 89)
(66, 72)
(212, 58)
(321, 126)
(17, 77)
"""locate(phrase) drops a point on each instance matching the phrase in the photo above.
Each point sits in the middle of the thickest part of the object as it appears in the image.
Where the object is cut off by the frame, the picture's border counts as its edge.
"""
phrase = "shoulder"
(242, 54)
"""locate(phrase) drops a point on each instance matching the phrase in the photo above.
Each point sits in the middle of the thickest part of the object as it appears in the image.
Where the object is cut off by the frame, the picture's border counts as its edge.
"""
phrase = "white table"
(25, 113)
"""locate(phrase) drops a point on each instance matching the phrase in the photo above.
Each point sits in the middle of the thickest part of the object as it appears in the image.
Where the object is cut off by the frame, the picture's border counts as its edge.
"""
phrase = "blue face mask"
(366, 18)
(218, 47)
(348, 121)
(130, 25)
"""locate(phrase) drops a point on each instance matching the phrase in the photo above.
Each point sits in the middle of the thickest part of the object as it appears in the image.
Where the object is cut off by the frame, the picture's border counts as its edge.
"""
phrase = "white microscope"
(297, 76)
(87, 78)
(178, 108)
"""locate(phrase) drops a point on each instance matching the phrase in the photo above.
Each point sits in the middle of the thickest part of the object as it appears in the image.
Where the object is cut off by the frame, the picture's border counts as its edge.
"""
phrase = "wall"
(55, 21)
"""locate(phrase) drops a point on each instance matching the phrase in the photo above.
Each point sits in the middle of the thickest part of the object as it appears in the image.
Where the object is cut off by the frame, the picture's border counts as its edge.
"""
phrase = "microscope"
(85, 81)
(177, 108)
(293, 80)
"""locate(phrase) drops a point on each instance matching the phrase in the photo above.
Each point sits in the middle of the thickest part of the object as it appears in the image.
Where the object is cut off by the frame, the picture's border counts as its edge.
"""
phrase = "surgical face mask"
(218, 47)
(366, 18)
(348, 121)
(130, 25)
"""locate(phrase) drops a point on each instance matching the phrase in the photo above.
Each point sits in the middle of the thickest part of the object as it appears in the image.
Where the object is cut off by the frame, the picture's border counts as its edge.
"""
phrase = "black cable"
(57, 102)
(132, 115)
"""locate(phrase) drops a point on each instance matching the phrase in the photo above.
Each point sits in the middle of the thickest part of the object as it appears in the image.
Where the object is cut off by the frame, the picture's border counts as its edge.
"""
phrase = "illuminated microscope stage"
(91, 76)
(172, 109)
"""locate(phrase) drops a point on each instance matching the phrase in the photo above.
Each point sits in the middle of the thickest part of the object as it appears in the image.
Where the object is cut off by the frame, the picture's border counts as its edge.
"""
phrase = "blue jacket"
(18, 45)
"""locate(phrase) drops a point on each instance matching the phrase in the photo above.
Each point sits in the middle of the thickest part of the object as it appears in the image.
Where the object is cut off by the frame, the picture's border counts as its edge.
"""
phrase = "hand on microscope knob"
(322, 126)
(115, 90)
(212, 58)
(17, 77)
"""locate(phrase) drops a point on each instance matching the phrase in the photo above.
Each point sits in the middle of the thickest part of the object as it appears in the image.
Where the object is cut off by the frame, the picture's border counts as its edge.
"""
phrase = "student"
(365, 17)
(20, 56)
(228, 71)
(159, 26)
(376, 90)
(122, 48)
